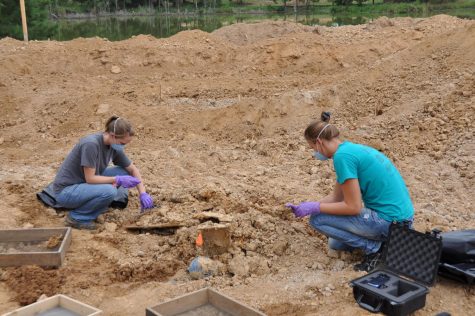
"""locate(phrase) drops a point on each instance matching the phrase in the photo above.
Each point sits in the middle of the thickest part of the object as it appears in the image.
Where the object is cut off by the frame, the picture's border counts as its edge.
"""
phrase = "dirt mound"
(30, 282)
(249, 33)
(219, 120)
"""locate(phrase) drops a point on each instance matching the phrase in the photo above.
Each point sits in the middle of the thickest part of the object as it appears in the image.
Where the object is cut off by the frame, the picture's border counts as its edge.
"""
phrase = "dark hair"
(323, 128)
(119, 126)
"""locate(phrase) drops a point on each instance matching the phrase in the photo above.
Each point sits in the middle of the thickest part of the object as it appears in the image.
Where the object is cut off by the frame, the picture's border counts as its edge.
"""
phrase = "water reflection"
(164, 26)
(114, 28)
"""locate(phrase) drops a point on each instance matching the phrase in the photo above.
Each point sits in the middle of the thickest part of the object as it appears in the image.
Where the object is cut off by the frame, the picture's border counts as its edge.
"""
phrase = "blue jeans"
(365, 230)
(88, 201)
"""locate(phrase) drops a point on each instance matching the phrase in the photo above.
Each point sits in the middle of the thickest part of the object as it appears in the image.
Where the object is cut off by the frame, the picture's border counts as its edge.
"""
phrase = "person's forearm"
(140, 187)
(100, 180)
(330, 198)
(335, 196)
(339, 208)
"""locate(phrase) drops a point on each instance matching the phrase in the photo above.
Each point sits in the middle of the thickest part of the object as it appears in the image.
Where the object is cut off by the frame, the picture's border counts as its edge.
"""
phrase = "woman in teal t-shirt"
(369, 194)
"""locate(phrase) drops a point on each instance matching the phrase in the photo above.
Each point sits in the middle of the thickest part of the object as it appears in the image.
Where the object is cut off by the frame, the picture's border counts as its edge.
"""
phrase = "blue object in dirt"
(195, 265)
(199, 268)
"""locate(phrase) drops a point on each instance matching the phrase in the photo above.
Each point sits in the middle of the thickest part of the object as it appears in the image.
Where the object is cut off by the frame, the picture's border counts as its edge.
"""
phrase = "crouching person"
(86, 184)
(368, 195)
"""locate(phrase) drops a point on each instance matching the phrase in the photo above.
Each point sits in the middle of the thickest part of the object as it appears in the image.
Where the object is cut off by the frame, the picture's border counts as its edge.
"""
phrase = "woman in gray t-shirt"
(86, 185)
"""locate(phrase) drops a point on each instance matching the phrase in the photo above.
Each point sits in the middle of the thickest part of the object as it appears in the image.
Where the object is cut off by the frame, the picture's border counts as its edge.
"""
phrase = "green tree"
(37, 12)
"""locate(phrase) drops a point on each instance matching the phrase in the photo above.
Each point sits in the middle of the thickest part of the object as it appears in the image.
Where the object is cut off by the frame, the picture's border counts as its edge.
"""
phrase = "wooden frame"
(199, 298)
(58, 300)
(41, 258)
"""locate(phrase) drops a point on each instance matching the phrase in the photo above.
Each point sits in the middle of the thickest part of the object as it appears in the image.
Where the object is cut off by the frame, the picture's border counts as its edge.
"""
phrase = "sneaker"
(71, 222)
(369, 263)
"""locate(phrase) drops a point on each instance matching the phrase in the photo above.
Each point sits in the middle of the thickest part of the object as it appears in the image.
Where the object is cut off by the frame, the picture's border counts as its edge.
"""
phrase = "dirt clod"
(54, 241)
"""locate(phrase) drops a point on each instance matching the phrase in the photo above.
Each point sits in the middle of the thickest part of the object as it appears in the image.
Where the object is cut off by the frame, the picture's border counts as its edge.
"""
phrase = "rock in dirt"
(28, 225)
(333, 253)
(110, 227)
(239, 266)
(338, 265)
(42, 297)
(116, 70)
(103, 108)
(100, 219)
(280, 246)
(259, 266)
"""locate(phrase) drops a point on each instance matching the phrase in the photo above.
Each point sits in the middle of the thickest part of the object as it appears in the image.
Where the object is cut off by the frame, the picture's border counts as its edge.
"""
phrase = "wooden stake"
(23, 20)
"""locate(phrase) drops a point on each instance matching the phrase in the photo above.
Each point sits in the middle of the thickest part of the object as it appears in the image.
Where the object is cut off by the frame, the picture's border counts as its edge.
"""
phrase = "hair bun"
(325, 116)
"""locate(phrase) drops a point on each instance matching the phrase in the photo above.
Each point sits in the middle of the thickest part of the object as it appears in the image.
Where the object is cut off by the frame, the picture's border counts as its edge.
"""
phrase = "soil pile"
(246, 33)
(30, 282)
(219, 120)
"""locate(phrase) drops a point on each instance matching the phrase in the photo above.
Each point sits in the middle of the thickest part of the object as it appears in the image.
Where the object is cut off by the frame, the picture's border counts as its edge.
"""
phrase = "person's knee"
(334, 244)
(315, 221)
(108, 192)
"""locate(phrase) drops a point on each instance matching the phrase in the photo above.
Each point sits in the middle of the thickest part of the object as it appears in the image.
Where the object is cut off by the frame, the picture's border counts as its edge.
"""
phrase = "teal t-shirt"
(382, 186)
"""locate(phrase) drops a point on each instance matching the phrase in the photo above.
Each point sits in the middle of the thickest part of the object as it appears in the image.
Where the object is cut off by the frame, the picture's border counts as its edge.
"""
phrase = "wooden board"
(159, 229)
(199, 298)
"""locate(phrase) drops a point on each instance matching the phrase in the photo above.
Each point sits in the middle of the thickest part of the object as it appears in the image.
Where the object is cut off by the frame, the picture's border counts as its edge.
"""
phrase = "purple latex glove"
(146, 201)
(305, 208)
(126, 181)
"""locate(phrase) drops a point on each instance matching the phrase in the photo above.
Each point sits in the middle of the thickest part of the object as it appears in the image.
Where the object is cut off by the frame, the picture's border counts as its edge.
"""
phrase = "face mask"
(118, 147)
(317, 155)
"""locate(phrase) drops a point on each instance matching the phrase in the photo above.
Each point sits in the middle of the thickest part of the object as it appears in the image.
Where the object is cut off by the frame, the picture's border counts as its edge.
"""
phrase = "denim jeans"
(365, 230)
(88, 201)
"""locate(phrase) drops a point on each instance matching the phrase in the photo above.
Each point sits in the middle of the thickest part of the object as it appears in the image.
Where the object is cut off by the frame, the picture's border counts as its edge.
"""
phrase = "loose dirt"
(30, 282)
(219, 120)
(18, 247)
(54, 241)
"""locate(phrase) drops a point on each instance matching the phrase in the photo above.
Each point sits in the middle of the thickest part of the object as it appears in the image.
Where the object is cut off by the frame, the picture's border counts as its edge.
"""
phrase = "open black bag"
(458, 256)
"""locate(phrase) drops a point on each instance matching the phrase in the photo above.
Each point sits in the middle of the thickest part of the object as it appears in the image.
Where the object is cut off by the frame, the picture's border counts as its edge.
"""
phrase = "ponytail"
(321, 129)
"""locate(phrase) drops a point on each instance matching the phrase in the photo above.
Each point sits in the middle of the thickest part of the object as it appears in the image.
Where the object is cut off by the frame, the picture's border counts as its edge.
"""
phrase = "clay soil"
(219, 120)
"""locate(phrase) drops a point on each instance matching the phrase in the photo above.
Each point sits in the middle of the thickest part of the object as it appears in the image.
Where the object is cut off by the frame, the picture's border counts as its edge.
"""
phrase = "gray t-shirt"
(90, 152)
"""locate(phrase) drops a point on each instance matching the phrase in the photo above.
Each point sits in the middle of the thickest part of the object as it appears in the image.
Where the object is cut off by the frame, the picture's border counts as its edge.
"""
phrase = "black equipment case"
(400, 285)
(457, 261)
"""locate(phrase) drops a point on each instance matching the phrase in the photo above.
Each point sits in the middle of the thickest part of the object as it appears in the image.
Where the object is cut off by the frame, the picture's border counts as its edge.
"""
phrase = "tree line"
(56, 8)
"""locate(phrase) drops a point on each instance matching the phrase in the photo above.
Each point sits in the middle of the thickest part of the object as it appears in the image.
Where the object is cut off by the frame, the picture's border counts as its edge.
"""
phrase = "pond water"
(119, 28)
